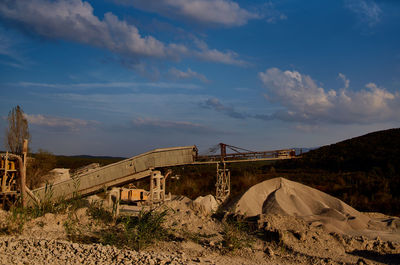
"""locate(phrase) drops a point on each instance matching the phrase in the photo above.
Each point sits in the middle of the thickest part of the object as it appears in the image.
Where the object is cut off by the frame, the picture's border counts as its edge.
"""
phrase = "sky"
(122, 77)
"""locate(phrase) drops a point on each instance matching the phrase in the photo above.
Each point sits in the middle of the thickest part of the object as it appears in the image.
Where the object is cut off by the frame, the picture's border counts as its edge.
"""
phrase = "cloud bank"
(74, 20)
(58, 123)
(305, 101)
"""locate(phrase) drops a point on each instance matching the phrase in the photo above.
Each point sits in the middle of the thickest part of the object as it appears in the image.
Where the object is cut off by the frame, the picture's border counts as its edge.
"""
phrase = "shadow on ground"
(375, 256)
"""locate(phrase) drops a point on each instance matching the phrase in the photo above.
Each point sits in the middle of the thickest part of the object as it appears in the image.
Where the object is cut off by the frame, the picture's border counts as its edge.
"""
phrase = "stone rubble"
(42, 251)
(197, 238)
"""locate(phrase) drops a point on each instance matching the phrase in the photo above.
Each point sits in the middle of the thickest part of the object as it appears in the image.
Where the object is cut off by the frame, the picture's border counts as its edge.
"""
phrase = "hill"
(374, 151)
(74, 162)
(363, 171)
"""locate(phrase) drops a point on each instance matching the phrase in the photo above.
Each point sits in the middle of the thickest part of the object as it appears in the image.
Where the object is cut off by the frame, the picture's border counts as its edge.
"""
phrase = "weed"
(113, 236)
(71, 229)
(97, 212)
(17, 220)
(236, 235)
(136, 232)
(75, 231)
(45, 205)
(145, 228)
(20, 215)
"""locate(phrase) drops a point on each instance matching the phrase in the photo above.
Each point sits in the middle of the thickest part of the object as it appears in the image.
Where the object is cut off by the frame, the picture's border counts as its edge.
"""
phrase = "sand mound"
(285, 197)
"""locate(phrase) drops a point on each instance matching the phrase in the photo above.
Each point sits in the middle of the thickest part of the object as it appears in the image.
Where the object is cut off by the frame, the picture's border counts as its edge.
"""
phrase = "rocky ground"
(43, 251)
(197, 239)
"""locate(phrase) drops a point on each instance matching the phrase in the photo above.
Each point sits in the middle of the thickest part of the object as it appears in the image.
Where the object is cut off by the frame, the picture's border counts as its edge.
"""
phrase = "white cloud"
(345, 80)
(59, 123)
(219, 12)
(167, 125)
(305, 101)
(367, 11)
(74, 20)
(10, 48)
(172, 104)
(271, 14)
(303, 92)
(162, 123)
(189, 74)
(217, 56)
(214, 55)
(128, 85)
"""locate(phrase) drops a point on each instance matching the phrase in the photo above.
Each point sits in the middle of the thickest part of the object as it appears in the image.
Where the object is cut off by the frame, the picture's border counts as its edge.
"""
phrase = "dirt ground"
(281, 239)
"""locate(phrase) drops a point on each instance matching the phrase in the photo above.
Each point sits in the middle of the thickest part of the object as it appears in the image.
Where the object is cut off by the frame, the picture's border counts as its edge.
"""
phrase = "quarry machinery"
(124, 172)
(239, 154)
(9, 177)
(134, 199)
(121, 173)
(12, 178)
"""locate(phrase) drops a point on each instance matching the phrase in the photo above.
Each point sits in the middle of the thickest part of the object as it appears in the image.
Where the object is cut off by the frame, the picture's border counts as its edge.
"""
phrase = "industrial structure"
(12, 177)
(127, 171)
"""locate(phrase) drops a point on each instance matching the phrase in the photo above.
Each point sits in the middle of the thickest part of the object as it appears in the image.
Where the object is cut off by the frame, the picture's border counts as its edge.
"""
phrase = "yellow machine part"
(131, 195)
(10, 166)
(7, 175)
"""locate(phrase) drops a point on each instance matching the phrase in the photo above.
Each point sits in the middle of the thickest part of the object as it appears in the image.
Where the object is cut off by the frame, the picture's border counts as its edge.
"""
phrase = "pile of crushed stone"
(280, 196)
(208, 204)
(187, 216)
(44, 251)
(197, 238)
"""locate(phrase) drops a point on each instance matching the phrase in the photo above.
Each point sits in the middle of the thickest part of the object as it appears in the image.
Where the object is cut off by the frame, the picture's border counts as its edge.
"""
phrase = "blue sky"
(121, 77)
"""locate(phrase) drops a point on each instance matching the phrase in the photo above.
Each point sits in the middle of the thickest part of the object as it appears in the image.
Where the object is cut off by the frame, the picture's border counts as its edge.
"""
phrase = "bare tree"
(17, 130)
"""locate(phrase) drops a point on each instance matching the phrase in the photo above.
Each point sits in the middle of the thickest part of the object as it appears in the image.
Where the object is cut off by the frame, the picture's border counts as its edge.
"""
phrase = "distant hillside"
(74, 162)
(374, 151)
(363, 171)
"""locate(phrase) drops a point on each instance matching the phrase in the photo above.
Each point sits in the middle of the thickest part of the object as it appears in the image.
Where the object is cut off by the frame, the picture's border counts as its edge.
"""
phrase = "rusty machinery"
(238, 155)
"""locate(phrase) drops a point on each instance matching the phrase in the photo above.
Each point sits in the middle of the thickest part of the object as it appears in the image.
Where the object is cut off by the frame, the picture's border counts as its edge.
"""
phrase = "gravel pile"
(42, 251)
(279, 196)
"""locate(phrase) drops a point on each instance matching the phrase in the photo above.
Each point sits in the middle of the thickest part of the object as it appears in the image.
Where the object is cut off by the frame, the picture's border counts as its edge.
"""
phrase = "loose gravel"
(42, 251)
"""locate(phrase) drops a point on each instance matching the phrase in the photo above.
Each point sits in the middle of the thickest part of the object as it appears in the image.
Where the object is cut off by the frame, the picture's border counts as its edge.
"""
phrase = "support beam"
(223, 185)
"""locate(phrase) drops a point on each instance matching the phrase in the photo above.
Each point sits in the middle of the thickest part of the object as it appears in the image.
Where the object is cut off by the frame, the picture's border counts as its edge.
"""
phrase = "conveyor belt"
(119, 173)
